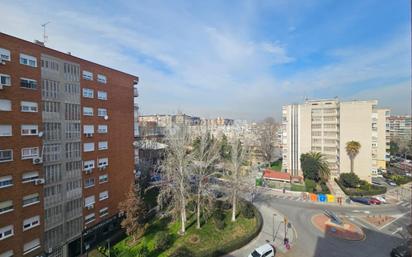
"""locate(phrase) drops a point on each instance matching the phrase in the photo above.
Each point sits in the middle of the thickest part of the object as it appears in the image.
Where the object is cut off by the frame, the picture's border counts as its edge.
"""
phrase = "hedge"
(235, 244)
(374, 190)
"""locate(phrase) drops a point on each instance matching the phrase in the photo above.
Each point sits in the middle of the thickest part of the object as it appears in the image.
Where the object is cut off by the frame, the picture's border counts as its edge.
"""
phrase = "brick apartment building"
(66, 152)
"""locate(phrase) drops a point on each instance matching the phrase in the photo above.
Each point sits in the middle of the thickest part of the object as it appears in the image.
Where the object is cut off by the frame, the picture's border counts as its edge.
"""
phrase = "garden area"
(218, 235)
(316, 173)
(353, 186)
(277, 165)
(398, 179)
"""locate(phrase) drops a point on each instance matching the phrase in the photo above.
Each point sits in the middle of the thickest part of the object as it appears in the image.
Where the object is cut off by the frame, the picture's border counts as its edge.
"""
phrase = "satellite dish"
(106, 117)
(41, 133)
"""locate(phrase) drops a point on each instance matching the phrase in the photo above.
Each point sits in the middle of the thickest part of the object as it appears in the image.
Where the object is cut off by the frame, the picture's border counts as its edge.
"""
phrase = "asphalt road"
(310, 242)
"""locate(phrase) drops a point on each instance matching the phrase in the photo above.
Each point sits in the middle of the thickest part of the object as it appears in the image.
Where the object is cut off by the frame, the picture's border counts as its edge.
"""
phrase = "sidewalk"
(273, 226)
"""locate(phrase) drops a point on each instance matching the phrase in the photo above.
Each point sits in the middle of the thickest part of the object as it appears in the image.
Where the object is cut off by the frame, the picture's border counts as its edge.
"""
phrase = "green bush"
(219, 219)
(163, 240)
(310, 185)
(349, 179)
(246, 209)
(325, 189)
(365, 189)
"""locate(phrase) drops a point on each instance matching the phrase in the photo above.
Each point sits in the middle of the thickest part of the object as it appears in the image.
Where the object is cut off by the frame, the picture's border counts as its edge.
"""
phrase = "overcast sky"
(236, 59)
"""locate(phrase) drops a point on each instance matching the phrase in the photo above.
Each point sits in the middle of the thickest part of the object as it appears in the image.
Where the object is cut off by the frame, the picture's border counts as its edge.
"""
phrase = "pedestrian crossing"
(404, 204)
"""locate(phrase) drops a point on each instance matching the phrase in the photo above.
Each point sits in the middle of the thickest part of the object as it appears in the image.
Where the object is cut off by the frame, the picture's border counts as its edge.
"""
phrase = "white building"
(326, 126)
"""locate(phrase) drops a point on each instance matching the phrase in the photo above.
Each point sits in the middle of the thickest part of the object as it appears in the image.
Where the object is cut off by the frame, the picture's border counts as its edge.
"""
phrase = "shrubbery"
(365, 189)
(182, 252)
(247, 211)
(310, 185)
(349, 180)
(142, 252)
(162, 240)
(219, 219)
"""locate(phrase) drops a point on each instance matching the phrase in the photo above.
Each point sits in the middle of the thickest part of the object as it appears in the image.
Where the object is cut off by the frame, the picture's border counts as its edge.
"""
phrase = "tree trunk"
(234, 206)
(351, 164)
(198, 204)
(183, 207)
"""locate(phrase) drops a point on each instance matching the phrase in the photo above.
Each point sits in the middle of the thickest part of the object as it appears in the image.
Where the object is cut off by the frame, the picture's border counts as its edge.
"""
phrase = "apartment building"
(400, 128)
(326, 126)
(66, 134)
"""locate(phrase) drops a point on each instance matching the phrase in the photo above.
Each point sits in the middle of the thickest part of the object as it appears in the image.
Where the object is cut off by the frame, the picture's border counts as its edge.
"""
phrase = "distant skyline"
(234, 59)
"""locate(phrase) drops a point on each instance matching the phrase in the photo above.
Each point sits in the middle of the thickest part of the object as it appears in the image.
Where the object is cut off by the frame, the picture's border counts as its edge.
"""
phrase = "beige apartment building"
(326, 126)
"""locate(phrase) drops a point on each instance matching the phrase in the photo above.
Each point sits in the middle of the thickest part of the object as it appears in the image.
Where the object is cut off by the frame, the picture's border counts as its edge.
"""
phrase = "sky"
(234, 59)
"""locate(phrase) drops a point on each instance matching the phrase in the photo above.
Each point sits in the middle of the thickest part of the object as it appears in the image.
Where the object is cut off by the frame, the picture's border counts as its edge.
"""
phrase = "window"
(6, 155)
(28, 106)
(101, 112)
(88, 129)
(29, 130)
(50, 64)
(89, 218)
(104, 212)
(87, 75)
(6, 181)
(103, 162)
(50, 89)
(29, 176)
(5, 54)
(8, 253)
(28, 83)
(5, 105)
(103, 145)
(101, 78)
(89, 183)
(103, 178)
(31, 246)
(88, 111)
(89, 201)
(28, 60)
(101, 95)
(103, 195)
(5, 131)
(31, 223)
(88, 165)
(5, 80)
(6, 206)
(87, 92)
(88, 147)
(102, 129)
(6, 232)
(31, 199)
(29, 153)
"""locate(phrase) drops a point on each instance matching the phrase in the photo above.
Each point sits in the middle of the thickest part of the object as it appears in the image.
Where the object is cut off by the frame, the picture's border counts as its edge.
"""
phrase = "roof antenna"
(44, 32)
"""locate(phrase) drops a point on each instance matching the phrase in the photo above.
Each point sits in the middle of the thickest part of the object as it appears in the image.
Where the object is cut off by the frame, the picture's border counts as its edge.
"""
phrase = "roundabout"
(346, 230)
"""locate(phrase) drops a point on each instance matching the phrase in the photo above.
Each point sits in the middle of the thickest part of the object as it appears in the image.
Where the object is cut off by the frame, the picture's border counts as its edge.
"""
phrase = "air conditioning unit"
(39, 181)
(37, 160)
(89, 207)
(88, 171)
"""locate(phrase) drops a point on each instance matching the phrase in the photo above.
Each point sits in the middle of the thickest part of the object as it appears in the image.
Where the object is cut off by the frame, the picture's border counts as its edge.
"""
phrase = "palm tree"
(315, 166)
(352, 149)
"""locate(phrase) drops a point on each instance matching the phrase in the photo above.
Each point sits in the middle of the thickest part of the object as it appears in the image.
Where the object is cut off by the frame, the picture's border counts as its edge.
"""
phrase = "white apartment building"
(326, 126)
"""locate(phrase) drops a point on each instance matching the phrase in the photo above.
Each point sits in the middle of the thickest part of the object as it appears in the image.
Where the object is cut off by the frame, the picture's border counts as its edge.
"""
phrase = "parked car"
(266, 250)
(390, 182)
(362, 200)
(381, 198)
(374, 201)
(401, 251)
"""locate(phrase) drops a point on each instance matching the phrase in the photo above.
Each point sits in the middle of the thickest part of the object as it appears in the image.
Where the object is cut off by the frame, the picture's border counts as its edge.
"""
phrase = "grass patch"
(198, 241)
(277, 165)
(365, 189)
(298, 188)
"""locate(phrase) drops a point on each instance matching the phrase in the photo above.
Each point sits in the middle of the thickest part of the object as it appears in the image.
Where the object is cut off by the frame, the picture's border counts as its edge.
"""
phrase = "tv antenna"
(44, 31)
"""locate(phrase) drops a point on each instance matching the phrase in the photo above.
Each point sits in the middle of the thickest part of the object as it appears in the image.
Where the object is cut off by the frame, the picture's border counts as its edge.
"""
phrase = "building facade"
(66, 152)
(326, 126)
(400, 128)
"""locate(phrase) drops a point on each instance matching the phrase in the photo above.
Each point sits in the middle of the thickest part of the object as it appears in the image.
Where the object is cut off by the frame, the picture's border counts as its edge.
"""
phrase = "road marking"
(356, 211)
(405, 204)
(398, 217)
(397, 230)
(366, 212)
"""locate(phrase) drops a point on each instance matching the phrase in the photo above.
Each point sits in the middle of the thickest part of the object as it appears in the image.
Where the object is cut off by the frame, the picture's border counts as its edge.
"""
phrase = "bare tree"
(176, 169)
(238, 155)
(206, 155)
(267, 136)
(135, 212)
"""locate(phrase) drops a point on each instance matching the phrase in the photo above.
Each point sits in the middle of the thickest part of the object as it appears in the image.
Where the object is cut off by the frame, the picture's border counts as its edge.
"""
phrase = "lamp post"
(273, 227)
